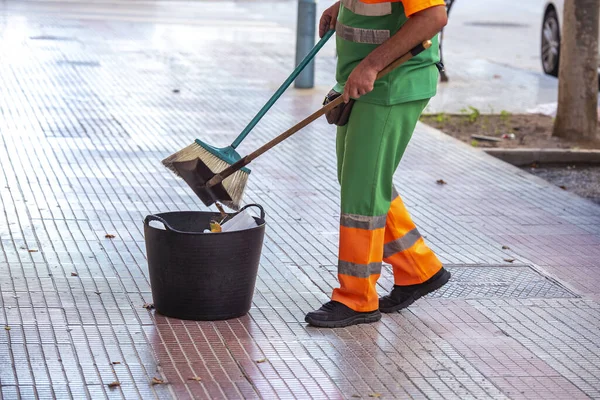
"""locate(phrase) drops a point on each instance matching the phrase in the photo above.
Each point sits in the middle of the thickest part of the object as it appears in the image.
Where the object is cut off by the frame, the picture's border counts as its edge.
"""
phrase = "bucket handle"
(262, 210)
(162, 221)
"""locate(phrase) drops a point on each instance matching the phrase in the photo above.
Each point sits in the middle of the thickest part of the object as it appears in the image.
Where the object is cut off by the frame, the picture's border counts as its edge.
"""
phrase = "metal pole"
(305, 41)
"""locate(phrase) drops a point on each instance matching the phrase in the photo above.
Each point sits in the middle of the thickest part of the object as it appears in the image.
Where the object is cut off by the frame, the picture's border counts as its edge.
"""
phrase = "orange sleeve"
(414, 6)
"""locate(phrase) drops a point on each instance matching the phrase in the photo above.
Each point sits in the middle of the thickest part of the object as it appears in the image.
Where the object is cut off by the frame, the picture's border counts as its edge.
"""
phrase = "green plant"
(441, 118)
(474, 143)
(472, 113)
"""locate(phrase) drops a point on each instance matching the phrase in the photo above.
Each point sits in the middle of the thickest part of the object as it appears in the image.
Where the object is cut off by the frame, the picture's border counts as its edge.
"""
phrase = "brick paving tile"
(89, 108)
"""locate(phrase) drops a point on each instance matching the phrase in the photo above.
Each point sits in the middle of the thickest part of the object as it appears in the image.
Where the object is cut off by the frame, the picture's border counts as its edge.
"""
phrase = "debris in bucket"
(215, 226)
(240, 222)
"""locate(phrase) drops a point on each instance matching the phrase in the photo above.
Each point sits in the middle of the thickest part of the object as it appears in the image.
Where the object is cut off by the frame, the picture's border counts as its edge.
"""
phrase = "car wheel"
(550, 43)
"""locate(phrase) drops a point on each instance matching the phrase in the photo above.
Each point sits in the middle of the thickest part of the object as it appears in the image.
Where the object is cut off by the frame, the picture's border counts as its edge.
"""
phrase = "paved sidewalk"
(88, 111)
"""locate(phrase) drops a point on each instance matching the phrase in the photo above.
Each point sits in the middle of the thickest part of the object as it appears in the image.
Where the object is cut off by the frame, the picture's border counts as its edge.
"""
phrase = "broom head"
(199, 162)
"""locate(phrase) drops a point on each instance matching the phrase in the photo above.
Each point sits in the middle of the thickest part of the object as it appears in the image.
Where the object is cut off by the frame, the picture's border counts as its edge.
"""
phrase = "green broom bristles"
(234, 185)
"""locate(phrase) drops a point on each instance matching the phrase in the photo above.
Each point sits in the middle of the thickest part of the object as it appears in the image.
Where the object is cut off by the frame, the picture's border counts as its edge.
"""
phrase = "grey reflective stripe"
(368, 10)
(363, 222)
(359, 35)
(394, 193)
(401, 244)
(359, 270)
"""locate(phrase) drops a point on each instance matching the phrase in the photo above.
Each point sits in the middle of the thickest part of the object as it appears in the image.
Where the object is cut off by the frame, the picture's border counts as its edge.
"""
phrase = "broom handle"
(282, 88)
(248, 159)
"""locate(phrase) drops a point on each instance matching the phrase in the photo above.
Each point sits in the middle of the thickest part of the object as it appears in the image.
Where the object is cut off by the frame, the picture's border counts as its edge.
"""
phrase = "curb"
(522, 157)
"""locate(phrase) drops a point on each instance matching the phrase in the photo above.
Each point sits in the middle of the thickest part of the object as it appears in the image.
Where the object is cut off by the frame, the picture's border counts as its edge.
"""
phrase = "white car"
(551, 34)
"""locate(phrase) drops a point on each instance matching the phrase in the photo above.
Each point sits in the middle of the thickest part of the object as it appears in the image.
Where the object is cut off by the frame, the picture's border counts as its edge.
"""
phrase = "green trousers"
(375, 225)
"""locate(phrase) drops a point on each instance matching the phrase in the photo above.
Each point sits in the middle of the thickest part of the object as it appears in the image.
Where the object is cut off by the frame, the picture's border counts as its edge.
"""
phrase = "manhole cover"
(492, 24)
(494, 281)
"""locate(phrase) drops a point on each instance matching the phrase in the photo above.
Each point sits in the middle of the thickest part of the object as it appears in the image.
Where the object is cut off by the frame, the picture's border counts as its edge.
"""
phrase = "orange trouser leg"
(360, 257)
(412, 260)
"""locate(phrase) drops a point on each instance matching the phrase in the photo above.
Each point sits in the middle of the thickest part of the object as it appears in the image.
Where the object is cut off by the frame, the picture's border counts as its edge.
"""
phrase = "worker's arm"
(420, 26)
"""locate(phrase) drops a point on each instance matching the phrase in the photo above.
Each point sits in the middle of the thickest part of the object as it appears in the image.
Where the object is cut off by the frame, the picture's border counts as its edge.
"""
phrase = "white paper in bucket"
(240, 222)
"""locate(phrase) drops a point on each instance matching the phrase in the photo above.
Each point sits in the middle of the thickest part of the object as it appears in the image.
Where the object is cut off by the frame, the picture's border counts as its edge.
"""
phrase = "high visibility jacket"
(364, 25)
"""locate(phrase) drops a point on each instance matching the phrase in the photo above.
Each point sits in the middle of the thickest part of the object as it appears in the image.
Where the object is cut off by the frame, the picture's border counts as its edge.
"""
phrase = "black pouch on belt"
(339, 115)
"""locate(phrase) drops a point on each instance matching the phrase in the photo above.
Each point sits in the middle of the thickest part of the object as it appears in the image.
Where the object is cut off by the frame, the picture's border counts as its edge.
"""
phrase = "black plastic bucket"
(202, 276)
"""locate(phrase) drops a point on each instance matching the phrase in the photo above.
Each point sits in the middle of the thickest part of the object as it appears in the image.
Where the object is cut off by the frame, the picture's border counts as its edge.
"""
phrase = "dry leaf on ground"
(157, 381)
(441, 182)
(148, 306)
(109, 236)
(195, 378)
(114, 384)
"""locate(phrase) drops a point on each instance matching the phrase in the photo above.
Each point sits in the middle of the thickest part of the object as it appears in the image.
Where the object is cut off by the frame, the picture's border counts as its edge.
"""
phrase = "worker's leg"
(369, 150)
(417, 270)
(412, 261)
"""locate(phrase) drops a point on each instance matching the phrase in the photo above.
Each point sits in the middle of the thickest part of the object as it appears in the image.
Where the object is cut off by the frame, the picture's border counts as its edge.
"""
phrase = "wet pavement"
(89, 108)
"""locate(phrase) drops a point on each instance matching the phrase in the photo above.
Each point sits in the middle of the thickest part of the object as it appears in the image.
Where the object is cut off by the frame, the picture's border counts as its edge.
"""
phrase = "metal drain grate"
(500, 281)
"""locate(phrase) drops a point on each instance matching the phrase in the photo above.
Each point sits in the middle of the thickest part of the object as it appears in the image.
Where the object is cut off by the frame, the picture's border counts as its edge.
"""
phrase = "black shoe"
(334, 314)
(403, 296)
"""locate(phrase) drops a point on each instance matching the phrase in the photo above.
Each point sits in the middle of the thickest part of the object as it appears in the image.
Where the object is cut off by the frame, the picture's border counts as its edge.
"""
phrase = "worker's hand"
(328, 19)
(360, 82)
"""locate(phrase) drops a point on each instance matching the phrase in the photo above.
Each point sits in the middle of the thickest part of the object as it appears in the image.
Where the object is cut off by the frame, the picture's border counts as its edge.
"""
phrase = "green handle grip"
(282, 88)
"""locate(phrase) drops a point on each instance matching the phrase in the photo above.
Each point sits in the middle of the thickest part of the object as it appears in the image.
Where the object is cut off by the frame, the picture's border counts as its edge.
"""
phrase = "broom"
(217, 159)
(227, 185)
